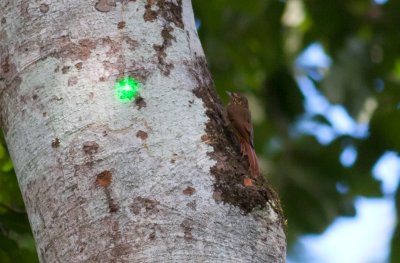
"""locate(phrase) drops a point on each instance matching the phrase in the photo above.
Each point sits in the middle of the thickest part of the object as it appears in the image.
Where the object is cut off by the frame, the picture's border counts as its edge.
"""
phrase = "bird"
(239, 116)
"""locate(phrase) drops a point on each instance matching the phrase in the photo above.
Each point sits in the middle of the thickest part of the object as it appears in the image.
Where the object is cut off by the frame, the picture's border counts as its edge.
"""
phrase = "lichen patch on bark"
(230, 169)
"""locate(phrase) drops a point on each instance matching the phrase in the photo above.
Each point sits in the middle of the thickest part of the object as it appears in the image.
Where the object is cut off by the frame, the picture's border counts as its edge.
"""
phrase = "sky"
(366, 237)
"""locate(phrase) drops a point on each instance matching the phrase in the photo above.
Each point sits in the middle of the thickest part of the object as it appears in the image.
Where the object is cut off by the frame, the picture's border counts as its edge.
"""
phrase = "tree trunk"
(158, 179)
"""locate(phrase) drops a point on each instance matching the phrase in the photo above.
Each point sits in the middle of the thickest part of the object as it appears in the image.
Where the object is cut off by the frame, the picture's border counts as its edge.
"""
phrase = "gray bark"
(143, 181)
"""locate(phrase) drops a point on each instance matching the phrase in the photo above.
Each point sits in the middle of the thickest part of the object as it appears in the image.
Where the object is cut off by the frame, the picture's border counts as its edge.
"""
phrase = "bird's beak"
(229, 93)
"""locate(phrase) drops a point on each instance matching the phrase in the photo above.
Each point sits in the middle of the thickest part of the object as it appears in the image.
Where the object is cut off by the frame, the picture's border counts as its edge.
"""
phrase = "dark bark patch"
(65, 69)
(205, 139)
(90, 147)
(161, 50)
(168, 10)
(121, 24)
(174, 158)
(189, 191)
(132, 44)
(3, 21)
(114, 51)
(187, 226)
(119, 250)
(142, 135)
(192, 205)
(105, 5)
(55, 143)
(230, 169)
(217, 196)
(149, 15)
(24, 8)
(140, 103)
(5, 65)
(65, 48)
(112, 206)
(8, 76)
(144, 206)
(152, 235)
(72, 81)
(79, 65)
(44, 8)
(104, 178)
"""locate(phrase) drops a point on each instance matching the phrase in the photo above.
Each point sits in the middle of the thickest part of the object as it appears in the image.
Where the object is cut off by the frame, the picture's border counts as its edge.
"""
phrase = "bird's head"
(238, 98)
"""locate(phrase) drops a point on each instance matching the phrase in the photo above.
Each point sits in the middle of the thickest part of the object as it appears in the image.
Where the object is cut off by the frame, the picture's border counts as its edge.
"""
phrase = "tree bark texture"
(158, 179)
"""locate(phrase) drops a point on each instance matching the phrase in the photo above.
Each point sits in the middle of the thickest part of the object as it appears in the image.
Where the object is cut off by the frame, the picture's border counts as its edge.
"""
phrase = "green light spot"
(126, 89)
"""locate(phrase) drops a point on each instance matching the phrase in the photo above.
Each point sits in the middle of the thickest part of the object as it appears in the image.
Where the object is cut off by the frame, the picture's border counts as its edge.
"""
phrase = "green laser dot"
(126, 89)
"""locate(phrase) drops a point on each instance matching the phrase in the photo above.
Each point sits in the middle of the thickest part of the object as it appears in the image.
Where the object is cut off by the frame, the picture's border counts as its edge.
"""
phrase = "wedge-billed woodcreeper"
(240, 118)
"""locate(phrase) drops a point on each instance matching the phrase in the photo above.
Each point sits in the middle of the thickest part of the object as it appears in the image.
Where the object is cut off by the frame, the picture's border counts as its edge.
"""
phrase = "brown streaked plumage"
(240, 117)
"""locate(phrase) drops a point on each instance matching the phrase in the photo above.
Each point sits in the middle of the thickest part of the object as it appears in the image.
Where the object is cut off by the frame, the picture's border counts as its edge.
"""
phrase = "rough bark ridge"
(154, 180)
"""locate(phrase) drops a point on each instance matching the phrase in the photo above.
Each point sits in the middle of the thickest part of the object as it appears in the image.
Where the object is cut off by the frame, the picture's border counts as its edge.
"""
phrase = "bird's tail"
(251, 154)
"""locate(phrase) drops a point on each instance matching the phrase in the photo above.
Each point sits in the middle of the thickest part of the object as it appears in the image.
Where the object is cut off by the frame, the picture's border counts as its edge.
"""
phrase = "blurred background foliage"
(255, 47)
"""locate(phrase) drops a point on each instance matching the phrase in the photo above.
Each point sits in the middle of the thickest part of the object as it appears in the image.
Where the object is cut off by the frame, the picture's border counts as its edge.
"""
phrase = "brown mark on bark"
(142, 135)
(189, 191)
(140, 103)
(192, 205)
(121, 24)
(105, 5)
(187, 226)
(104, 180)
(144, 206)
(230, 169)
(55, 143)
(65, 69)
(172, 13)
(168, 10)
(72, 81)
(164, 67)
(90, 147)
(10, 82)
(24, 5)
(44, 8)
(114, 51)
(65, 48)
(79, 65)
(132, 44)
(174, 158)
